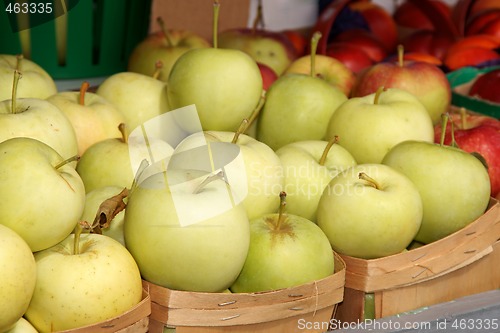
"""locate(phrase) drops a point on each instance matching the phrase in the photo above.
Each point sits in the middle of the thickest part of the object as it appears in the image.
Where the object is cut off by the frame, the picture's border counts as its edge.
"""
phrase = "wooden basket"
(461, 264)
(270, 312)
(135, 320)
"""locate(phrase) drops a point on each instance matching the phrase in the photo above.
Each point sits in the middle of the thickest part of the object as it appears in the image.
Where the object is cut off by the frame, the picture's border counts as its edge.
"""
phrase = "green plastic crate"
(100, 35)
(466, 75)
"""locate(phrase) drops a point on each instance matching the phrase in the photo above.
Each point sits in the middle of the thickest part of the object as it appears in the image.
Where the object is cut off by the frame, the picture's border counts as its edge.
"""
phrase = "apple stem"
(123, 130)
(76, 240)
(372, 182)
(165, 31)
(83, 89)
(259, 17)
(444, 123)
(377, 94)
(208, 180)
(19, 59)
(68, 160)
(256, 111)
(17, 77)
(453, 143)
(463, 117)
(281, 211)
(401, 51)
(158, 68)
(329, 145)
(241, 129)
(215, 23)
(314, 46)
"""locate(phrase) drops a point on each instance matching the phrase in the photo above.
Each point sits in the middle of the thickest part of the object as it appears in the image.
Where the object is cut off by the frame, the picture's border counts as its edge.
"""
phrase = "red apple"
(380, 22)
(436, 41)
(469, 56)
(427, 41)
(492, 28)
(409, 15)
(418, 56)
(482, 5)
(486, 86)
(476, 23)
(299, 41)
(350, 55)
(480, 134)
(425, 81)
(268, 75)
(365, 41)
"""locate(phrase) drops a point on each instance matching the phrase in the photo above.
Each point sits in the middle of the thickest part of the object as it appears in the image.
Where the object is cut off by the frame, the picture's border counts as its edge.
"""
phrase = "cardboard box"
(305, 308)
(461, 81)
(461, 264)
(197, 15)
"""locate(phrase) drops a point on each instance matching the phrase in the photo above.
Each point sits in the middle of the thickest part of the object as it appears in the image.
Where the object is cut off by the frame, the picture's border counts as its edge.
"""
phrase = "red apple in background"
(268, 75)
(365, 41)
(492, 28)
(436, 41)
(486, 86)
(428, 41)
(350, 55)
(299, 41)
(418, 56)
(476, 23)
(409, 15)
(425, 81)
(379, 21)
(482, 5)
(472, 51)
(469, 56)
(480, 134)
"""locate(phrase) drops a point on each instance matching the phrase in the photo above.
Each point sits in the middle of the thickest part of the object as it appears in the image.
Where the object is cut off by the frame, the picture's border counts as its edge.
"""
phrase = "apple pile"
(208, 180)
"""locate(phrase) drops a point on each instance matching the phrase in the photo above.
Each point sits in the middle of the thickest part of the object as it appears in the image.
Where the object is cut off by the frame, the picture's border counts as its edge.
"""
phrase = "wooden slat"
(183, 308)
(429, 261)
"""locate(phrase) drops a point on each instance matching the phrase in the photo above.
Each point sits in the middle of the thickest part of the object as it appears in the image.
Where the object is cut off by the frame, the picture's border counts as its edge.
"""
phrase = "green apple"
(41, 195)
(22, 326)
(224, 84)
(454, 185)
(93, 201)
(137, 96)
(297, 108)
(35, 83)
(328, 68)
(370, 211)
(115, 161)
(271, 48)
(166, 45)
(260, 176)
(285, 251)
(85, 279)
(17, 277)
(93, 117)
(369, 126)
(308, 167)
(37, 119)
(185, 230)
